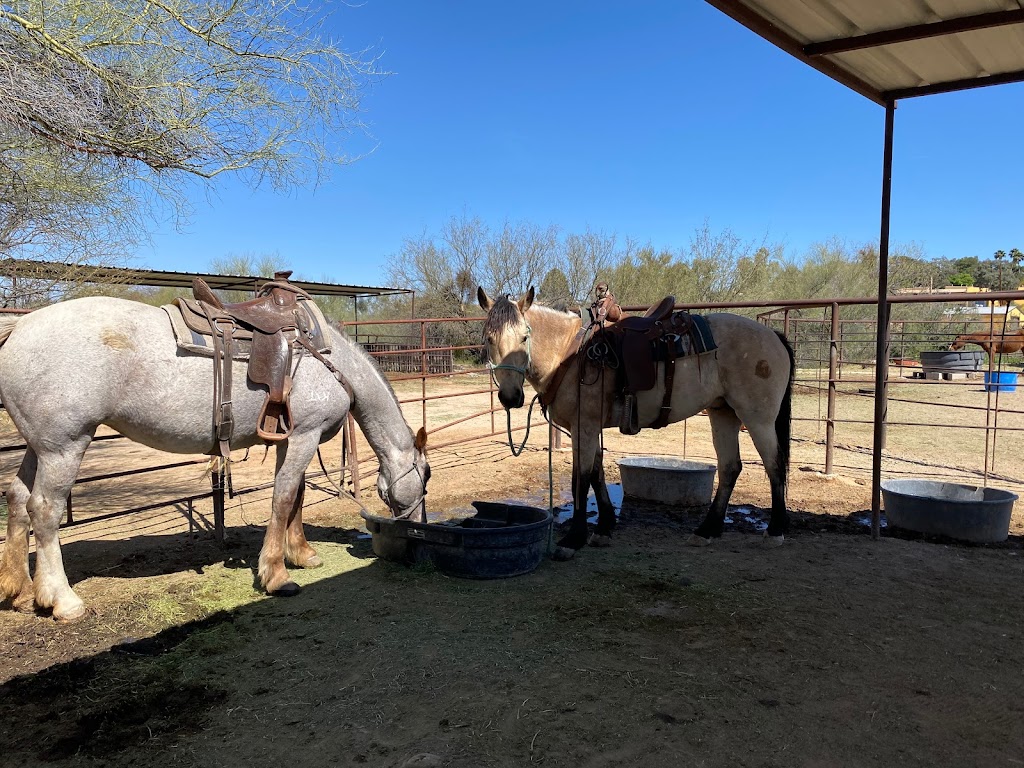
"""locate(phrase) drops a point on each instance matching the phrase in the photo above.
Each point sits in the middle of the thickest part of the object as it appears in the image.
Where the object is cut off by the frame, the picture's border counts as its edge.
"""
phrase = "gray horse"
(70, 367)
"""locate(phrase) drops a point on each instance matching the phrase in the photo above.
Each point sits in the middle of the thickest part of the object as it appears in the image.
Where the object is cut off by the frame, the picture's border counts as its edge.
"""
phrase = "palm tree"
(1016, 257)
(1000, 255)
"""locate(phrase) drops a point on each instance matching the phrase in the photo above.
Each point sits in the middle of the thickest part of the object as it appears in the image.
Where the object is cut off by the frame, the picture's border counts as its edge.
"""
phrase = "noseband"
(385, 495)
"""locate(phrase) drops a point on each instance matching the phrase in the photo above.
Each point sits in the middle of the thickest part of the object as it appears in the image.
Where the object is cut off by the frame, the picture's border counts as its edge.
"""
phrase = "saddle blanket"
(696, 341)
(187, 317)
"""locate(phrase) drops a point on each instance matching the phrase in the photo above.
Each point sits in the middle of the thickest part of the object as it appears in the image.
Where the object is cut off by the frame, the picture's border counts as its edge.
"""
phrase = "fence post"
(833, 368)
(423, 371)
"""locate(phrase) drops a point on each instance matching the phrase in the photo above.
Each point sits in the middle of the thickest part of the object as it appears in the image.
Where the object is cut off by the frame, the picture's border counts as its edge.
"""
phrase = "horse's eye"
(525, 339)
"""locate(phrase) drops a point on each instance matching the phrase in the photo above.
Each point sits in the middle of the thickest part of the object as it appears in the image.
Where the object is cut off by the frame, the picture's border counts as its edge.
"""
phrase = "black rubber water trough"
(953, 361)
(965, 512)
(499, 541)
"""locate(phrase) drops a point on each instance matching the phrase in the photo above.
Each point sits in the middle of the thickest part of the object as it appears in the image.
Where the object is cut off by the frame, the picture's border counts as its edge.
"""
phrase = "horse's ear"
(483, 299)
(421, 439)
(526, 301)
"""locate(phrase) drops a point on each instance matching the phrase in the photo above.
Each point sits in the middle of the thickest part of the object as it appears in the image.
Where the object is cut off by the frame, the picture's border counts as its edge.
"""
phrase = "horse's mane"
(360, 350)
(504, 311)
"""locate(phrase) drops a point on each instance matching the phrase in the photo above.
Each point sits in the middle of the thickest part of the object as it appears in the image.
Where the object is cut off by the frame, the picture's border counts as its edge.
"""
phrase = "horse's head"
(402, 484)
(958, 343)
(507, 341)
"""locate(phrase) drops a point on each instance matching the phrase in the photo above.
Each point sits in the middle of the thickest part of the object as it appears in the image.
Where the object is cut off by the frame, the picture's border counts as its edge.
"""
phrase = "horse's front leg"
(297, 550)
(584, 448)
(292, 458)
(46, 505)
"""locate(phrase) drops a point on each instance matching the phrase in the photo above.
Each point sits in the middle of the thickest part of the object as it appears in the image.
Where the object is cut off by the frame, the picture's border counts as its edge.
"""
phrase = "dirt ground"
(832, 650)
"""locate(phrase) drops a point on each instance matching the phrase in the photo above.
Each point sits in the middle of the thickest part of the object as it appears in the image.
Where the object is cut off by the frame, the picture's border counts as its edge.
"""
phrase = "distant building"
(981, 311)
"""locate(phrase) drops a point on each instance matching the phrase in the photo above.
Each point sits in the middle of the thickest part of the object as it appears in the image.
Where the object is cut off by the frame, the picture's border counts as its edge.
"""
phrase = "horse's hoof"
(562, 554)
(310, 562)
(25, 602)
(70, 613)
(599, 540)
(773, 541)
(696, 540)
(288, 589)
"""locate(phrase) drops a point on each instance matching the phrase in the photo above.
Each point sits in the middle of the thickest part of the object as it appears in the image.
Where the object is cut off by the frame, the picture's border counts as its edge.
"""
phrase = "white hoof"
(310, 562)
(561, 554)
(68, 611)
(600, 541)
(773, 541)
(698, 541)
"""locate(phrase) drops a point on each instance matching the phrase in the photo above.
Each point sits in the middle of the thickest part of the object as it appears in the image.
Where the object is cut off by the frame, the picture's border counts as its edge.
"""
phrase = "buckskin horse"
(70, 367)
(748, 380)
(998, 343)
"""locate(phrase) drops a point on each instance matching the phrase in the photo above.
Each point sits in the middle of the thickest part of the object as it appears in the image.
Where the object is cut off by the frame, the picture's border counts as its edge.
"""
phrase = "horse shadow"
(162, 554)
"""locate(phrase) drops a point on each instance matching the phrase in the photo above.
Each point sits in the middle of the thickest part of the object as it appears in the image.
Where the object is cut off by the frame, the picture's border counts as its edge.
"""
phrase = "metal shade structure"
(43, 270)
(887, 50)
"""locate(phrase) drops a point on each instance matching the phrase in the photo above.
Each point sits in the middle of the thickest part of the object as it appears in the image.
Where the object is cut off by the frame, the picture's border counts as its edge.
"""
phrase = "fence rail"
(834, 350)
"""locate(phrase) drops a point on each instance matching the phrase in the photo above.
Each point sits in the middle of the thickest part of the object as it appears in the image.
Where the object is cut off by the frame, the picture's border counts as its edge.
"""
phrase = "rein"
(386, 493)
(329, 366)
(383, 495)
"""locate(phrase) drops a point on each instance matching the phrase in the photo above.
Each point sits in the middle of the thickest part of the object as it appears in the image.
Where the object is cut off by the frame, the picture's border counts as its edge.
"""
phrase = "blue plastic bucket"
(1000, 382)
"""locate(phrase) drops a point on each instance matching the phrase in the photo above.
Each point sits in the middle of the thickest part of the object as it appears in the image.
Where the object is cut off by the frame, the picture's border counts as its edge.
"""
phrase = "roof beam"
(773, 34)
(915, 32)
(956, 85)
(31, 269)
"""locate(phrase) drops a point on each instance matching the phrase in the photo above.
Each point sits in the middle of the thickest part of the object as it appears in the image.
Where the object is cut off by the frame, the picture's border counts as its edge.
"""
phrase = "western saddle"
(266, 330)
(641, 342)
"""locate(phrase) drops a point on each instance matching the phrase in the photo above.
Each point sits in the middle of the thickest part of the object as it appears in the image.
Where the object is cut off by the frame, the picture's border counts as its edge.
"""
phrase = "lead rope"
(529, 417)
(551, 484)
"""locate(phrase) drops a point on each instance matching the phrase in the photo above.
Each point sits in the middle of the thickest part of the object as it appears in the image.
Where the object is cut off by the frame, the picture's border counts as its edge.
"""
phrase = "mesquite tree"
(110, 109)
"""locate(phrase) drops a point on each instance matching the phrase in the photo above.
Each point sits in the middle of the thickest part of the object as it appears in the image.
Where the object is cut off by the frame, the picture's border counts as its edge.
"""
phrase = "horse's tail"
(7, 326)
(783, 421)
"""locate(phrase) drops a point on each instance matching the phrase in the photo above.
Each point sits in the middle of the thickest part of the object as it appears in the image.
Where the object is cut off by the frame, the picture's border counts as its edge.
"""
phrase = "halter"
(492, 367)
(385, 495)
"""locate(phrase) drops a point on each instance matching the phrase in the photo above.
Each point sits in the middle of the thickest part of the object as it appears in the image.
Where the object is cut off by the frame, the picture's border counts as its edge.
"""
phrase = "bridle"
(522, 371)
(385, 495)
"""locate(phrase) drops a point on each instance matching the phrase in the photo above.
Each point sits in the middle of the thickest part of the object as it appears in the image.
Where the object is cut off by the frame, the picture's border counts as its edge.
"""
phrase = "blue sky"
(641, 120)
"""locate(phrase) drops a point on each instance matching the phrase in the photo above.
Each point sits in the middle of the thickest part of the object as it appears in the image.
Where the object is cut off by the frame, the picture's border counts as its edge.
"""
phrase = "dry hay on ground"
(831, 650)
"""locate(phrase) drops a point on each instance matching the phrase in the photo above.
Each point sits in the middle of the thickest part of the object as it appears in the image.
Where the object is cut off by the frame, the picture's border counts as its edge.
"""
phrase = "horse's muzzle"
(515, 400)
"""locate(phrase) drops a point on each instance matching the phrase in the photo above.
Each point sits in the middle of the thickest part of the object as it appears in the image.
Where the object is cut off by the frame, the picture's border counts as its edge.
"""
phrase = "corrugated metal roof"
(894, 49)
(43, 270)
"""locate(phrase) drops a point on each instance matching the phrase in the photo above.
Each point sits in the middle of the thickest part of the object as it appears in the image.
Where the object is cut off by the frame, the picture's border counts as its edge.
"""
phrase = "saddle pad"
(698, 341)
(190, 326)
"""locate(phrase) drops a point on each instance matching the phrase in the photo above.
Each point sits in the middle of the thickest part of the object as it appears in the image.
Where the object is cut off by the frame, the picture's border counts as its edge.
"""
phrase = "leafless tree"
(517, 257)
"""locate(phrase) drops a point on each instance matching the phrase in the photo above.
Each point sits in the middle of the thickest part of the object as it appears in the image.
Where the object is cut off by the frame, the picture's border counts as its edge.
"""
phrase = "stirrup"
(275, 422)
(629, 423)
